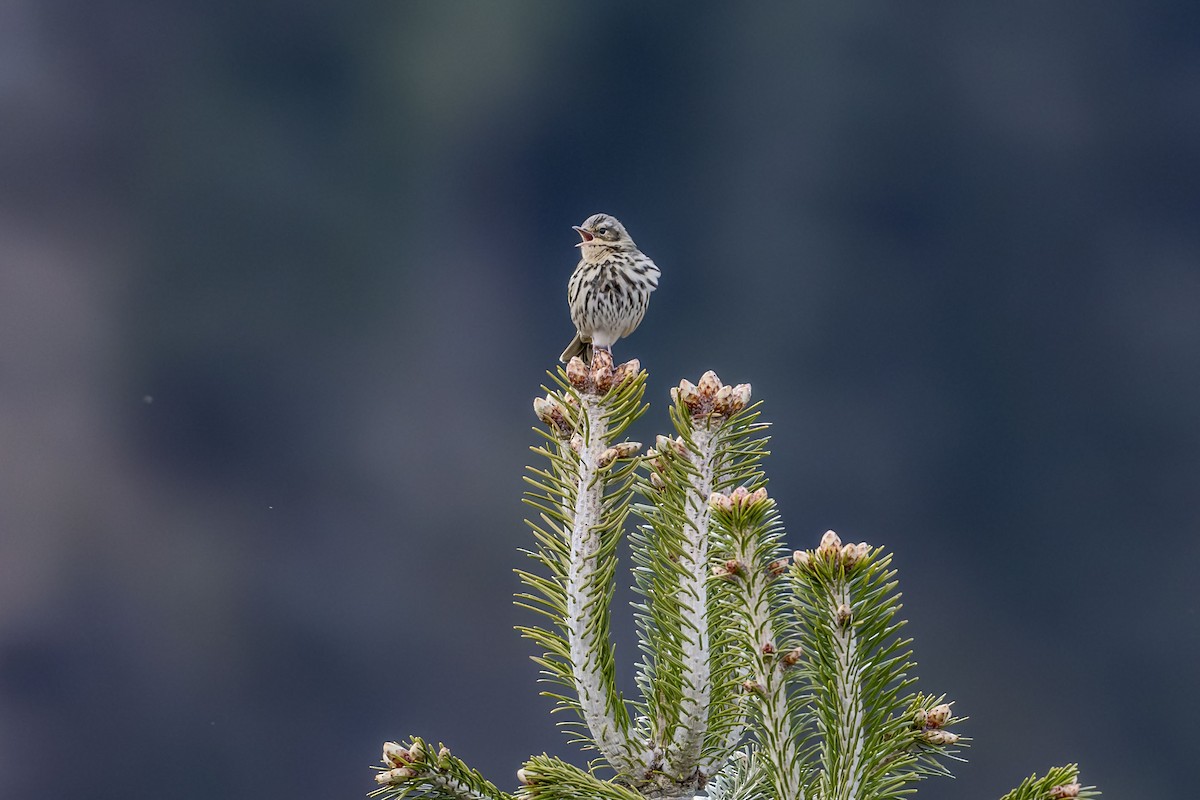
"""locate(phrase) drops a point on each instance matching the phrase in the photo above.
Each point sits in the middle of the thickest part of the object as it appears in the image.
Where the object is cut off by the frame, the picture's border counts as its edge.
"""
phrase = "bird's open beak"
(584, 235)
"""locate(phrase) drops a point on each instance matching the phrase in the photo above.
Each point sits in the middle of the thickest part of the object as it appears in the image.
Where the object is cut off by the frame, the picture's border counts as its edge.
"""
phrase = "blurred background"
(278, 281)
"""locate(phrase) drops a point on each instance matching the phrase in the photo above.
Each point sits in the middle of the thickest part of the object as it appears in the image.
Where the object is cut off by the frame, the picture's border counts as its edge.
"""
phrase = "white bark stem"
(586, 601)
(682, 753)
(780, 747)
(847, 784)
(456, 788)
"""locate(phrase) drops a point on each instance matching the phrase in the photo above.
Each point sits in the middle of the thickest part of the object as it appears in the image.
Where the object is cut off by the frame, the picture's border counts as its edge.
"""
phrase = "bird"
(610, 288)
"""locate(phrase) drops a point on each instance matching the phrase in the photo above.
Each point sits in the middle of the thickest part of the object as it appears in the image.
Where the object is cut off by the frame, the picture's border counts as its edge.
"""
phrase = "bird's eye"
(602, 230)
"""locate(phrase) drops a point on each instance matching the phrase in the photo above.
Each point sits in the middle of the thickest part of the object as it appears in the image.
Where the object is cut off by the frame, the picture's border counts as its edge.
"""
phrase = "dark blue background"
(278, 281)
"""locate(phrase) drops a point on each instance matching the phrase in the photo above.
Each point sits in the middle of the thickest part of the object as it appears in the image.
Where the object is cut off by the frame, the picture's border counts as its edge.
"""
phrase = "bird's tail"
(577, 347)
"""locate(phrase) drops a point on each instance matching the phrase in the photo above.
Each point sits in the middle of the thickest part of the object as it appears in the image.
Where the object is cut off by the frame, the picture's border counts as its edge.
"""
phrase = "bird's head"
(600, 233)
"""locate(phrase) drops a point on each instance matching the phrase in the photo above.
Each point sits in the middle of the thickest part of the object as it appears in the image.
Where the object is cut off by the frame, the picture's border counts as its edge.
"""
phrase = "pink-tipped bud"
(734, 566)
(394, 755)
(618, 450)
(416, 751)
(627, 449)
(778, 566)
(1065, 791)
(753, 687)
(601, 359)
(602, 374)
(802, 558)
(577, 373)
(939, 738)
(709, 384)
(739, 398)
(657, 482)
(768, 648)
(577, 443)
(792, 657)
(920, 718)
(938, 715)
(394, 775)
(687, 393)
(720, 502)
(849, 554)
(721, 399)
(550, 411)
(831, 545)
(525, 776)
(443, 754)
(626, 371)
(738, 496)
(843, 615)
(759, 495)
(721, 572)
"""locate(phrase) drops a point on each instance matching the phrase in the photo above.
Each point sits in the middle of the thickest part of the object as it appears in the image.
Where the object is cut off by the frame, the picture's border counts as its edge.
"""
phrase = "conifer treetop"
(765, 674)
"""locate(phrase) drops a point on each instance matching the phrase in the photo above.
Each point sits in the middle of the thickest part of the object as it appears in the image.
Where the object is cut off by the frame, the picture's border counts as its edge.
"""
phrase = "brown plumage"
(610, 288)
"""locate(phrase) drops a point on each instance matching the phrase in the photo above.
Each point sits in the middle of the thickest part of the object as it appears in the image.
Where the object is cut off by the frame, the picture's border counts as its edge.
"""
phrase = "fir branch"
(748, 531)
(871, 745)
(744, 777)
(693, 710)
(582, 501)
(682, 750)
(727, 734)
(547, 778)
(587, 595)
(416, 771)
(1059, 783)
(922, 742)
(846, 772)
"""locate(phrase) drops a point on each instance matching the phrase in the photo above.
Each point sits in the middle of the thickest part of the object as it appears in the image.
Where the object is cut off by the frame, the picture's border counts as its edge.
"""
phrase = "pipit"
(610, 288)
